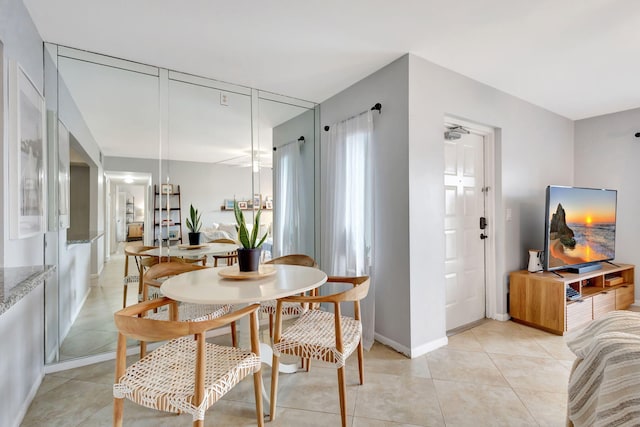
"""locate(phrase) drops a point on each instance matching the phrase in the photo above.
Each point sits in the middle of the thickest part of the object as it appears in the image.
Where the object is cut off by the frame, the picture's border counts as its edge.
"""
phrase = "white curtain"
(347, 207)
(288, 237)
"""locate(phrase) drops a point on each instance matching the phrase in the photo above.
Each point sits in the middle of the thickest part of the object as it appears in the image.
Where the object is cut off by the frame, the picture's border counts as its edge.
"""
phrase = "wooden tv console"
(539, 299)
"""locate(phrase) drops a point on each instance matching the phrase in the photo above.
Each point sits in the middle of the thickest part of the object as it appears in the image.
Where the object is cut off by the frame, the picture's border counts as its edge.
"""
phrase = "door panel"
(464, 250)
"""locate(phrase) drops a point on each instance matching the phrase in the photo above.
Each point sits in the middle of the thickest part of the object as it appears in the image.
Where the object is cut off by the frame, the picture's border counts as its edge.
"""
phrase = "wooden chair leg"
(124, 295)
(198, 423)
(270, 325)
(361, 362)
(143, 349)
(275, 365)
(118, 406)
(234, 339)
(342, 388)
(257, 391)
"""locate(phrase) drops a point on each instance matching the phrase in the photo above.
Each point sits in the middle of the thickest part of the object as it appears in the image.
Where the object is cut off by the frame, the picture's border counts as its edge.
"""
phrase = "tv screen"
(580, 226)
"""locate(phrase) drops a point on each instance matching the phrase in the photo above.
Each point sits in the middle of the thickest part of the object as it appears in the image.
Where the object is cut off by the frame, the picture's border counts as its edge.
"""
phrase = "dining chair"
(184, 374)
(289, 309)
(322, 335)
(230, 258)
(153, 279)
(135, 252)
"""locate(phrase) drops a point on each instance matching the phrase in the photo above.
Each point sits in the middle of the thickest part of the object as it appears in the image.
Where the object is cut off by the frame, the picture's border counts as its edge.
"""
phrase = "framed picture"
(228, 204)
(166, 189)
(242, 205)
(257, 201)
(27, 155)
(268, 204)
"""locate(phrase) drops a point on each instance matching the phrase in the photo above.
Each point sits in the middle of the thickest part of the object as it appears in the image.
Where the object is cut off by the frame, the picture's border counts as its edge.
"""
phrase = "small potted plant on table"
(249, 253)
(194, 224)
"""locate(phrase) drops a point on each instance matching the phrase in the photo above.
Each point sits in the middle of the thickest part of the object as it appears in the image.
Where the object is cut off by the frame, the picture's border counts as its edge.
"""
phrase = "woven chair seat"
(131, 279)
(165, 378)
(288, 308)
(193, 312)
(313, 336)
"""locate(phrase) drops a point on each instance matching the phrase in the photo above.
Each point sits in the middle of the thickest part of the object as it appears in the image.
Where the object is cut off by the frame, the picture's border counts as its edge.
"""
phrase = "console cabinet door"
(624, 297)
(603, 303)
(579, 313)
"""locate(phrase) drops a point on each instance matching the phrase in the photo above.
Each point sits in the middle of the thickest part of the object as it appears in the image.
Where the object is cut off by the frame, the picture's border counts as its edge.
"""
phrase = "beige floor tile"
(555, 346)
(464, 341)
(509, 341)
(548, 409)
(533, 373)
(411, 401)
(385, 360)
(464, 366)
(465, 404)
(368, 422)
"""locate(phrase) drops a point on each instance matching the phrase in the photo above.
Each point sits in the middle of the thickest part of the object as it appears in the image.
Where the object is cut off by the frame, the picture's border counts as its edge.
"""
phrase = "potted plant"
(194, 224)
(249, 253)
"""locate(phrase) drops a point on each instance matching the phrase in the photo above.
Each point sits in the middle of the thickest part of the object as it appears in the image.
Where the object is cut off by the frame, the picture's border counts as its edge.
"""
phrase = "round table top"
(206, 249)
(206, 286)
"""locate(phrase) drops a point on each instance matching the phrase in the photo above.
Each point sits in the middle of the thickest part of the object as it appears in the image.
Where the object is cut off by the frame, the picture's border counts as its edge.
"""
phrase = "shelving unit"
(129, 210)
(167, 216)
(540, 299)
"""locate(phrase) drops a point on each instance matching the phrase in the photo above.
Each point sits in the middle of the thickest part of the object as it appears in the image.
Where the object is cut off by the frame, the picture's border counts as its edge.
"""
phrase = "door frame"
(490, 280)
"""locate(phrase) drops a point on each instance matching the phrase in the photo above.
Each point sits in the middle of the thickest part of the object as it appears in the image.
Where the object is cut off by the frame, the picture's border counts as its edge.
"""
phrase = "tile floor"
(496, 374)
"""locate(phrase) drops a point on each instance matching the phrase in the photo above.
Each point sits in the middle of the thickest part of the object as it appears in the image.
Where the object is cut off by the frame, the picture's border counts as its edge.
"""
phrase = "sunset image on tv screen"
(582, 226)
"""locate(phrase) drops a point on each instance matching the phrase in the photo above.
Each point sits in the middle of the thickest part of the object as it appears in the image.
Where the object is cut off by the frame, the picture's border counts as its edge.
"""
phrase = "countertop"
(17, 282)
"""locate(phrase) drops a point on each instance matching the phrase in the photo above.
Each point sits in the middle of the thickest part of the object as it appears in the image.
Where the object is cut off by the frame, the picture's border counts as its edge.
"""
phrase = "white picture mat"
(27, 156)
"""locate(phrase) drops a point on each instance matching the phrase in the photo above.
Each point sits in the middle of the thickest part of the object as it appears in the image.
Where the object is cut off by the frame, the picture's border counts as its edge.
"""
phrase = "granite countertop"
(73, 239)
(17, 282)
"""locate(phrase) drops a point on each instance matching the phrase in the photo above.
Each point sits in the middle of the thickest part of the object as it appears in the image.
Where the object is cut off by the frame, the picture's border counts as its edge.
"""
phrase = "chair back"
(294, 259)
(161, 270)
(134, 251)
(224, 241)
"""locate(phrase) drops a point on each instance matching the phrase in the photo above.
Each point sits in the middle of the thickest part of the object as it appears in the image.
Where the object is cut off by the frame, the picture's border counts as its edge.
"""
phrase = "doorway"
(468, 222)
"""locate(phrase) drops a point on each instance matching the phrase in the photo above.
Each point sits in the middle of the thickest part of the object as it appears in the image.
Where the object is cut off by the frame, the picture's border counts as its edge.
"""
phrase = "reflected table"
(208, 287)
(188, 251)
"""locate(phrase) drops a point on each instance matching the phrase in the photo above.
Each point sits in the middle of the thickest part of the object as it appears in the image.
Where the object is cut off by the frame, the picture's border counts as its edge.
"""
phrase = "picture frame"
(166, 188)
(268, 204)
(242, 205)
(228, 204)
(257, 201)
(64, 178)
(27, 156)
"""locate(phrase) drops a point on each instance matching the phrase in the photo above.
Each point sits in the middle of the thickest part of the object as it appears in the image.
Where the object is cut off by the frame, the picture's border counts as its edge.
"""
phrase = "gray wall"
(391, 280)
(79, 201)
(606, 156)
(534, 148)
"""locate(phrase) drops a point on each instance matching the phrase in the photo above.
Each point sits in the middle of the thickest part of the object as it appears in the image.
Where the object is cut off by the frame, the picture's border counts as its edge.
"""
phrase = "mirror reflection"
(140, 129)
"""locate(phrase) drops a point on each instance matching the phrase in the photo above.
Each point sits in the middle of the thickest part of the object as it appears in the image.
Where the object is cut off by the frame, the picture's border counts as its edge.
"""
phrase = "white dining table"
(207, 286)
(186, 251)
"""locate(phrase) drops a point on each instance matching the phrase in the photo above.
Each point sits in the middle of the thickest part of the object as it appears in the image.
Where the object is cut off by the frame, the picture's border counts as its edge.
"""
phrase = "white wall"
(606, 156)
(22, 326)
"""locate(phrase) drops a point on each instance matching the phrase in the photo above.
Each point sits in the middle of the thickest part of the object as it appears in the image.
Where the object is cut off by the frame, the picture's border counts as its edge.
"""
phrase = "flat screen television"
(580, 228)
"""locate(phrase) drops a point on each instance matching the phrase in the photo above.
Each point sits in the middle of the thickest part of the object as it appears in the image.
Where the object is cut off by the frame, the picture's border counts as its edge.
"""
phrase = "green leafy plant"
(248, 241)
(193, 222)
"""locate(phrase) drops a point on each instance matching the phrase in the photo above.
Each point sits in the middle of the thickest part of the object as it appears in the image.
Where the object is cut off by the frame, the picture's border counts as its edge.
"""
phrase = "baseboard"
(503, 317)
(27, 402)
(394, 345)
(636, 303)
(429, 347)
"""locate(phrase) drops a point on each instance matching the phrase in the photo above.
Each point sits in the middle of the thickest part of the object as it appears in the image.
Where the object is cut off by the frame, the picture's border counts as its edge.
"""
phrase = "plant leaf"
(262, 240)
(254, 232)
(243, 236)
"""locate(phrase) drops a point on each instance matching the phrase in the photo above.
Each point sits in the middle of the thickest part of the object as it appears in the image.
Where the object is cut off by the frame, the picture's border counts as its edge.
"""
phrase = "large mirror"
(135, 130)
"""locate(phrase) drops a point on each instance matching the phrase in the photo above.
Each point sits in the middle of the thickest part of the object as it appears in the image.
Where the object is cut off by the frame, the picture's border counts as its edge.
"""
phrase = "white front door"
(464, 247)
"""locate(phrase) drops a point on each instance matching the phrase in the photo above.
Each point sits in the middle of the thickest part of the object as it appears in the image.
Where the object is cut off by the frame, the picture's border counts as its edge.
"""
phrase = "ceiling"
(576, 58)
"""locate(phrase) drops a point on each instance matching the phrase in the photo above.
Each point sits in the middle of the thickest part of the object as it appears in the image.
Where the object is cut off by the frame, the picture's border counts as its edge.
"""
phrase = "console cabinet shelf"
(539, 299)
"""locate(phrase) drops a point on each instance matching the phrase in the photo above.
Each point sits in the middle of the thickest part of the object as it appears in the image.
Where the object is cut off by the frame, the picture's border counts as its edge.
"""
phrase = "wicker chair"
(289, 309)
(134, 251)
(230, 258)
(184, 374)
(153, 279)
(321, 335)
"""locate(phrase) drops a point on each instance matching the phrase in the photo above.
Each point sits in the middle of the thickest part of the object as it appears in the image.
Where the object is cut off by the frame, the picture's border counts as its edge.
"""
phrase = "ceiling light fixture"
(128, 180)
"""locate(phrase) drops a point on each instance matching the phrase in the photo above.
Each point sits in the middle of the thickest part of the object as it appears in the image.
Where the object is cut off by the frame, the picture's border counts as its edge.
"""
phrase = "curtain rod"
(377, 107)
(301, 139)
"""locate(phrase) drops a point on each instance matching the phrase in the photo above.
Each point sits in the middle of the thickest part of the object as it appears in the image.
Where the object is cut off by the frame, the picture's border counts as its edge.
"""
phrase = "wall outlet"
(224, 98)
